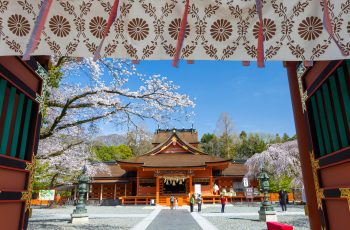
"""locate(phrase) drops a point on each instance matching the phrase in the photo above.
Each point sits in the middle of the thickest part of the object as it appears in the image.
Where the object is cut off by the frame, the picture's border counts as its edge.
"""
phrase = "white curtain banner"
(149, 29)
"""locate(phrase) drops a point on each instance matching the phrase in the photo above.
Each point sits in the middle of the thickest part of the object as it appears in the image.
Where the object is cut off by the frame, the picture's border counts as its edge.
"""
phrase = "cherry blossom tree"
(279, 160)
(81, 93)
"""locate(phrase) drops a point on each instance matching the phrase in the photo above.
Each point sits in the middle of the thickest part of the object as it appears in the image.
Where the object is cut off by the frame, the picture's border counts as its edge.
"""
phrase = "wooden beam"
(176, 169)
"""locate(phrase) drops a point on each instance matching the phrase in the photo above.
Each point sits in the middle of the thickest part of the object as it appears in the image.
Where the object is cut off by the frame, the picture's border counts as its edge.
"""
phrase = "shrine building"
(175, 166)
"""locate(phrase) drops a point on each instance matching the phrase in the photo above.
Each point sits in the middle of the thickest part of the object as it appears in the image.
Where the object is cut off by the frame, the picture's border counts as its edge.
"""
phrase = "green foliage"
(283, 183)
(111, 153)
(211, 144)
(207, 137)
(53, 80)
(240, 146)
(55, 76)
(41, 175)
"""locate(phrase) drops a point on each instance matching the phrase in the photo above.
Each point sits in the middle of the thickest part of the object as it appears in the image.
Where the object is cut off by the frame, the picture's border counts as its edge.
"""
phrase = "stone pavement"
(240, 217)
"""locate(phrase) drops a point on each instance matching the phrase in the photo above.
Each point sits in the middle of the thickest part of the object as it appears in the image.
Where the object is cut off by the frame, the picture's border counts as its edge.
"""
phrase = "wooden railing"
(207, 199)
(215, 199)
(146, 200)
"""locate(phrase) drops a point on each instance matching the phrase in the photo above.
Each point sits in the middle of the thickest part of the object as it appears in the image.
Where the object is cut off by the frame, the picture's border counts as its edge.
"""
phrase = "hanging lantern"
(180, 182)
(174, 183)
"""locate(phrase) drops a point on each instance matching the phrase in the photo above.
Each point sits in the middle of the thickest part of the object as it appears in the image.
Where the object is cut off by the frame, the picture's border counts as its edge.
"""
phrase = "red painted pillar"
(302, 134)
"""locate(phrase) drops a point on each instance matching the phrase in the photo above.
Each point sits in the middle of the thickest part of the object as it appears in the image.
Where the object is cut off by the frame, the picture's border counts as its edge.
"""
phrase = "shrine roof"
(235, 169)
(112, 170)
(188, 135)
(174, 152)
(174, 160)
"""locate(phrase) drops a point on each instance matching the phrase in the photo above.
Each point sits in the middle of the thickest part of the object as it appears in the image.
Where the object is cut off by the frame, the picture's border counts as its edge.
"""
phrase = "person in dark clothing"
(283, 197)
(199, 202)
(192, 202)
(172, 200)
(223, 202)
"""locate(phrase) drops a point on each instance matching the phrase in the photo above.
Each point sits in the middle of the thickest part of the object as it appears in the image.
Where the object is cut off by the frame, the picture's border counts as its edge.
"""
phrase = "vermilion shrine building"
(173, 166)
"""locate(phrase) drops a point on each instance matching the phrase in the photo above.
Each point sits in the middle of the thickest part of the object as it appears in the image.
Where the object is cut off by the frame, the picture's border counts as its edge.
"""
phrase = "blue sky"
(258, 100)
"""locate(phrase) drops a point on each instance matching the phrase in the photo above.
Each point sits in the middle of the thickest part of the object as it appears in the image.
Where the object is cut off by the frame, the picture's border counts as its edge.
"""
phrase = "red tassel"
(308, 63)
(246, 63)
(260, 50)
(327, 22)
(135, 62)
(111, 19)
(190, 62)
(38, 27)
(181, 35)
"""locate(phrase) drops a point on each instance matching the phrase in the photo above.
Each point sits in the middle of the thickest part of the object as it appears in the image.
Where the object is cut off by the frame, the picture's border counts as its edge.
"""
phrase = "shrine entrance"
(174, 185)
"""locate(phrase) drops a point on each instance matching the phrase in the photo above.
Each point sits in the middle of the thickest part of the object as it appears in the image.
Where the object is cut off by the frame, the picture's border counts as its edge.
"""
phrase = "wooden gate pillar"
(302, 134)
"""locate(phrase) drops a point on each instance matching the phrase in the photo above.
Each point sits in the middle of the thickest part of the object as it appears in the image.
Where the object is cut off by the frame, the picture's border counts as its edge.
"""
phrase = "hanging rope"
(111, 19)
(327, 22)
(260, 50)
(38, 27)
(181, 35)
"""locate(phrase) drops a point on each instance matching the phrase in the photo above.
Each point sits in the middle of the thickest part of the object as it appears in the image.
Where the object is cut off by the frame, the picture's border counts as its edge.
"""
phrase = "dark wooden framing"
(328, 202)
(13, 165)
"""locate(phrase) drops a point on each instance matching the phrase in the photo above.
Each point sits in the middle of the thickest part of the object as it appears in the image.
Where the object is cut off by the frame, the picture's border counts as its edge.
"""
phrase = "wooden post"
(101, 193)
(137, 182)
(302, 134)
(211, 185)
(75, 193)
(124, 189)
(87, 194)
(157, 190)
(115, 192)
(191, 187)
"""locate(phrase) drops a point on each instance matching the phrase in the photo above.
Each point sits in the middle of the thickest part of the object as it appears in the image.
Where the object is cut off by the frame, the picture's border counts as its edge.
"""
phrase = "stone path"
(174, 220)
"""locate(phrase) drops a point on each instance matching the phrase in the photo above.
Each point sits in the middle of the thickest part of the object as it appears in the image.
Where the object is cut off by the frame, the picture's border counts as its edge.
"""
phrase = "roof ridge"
(166, 143)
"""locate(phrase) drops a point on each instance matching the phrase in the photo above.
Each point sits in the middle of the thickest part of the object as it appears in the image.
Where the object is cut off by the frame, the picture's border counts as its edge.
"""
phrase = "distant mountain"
(113, 139)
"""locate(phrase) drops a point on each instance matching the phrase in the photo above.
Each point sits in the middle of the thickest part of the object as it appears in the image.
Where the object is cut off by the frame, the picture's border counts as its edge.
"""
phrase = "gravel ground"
(300, 222)
(253, 223)
(243, 217)
(99, 218)
(239, 208)
(99, 223)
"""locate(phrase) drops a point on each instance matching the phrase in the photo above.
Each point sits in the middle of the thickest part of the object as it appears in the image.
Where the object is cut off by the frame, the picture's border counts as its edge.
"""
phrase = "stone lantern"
(80, 215)
(266, 212)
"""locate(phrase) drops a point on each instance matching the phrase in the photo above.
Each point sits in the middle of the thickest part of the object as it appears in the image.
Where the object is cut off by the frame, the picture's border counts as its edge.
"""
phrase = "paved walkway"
(174, 220)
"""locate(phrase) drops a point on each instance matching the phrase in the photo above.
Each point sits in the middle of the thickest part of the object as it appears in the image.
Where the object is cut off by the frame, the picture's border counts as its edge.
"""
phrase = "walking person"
(192, 202)
(223, 202)
(283, 197)
(199, 202)
(172, 200)
(176, 203)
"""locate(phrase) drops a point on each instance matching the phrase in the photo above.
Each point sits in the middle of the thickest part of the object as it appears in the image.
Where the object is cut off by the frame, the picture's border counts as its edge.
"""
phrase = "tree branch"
(60, 152)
